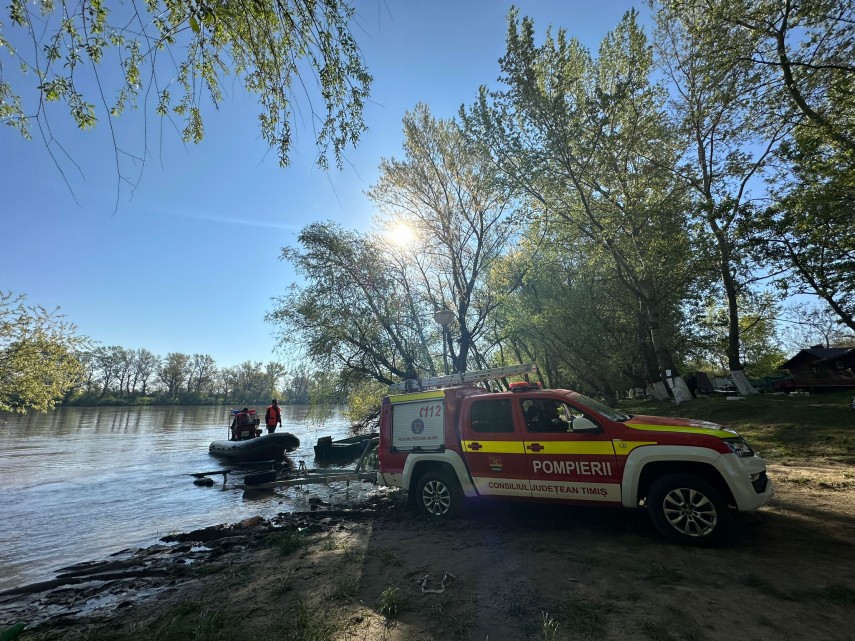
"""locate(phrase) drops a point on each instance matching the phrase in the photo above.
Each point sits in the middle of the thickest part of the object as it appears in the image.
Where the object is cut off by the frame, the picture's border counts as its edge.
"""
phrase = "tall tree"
(174, 58)
(252, 381)
(297, 388)
(758, 336)
(812, 324)
(810, 46)
(109, 362)
(146, 364)
(809, 235)
(731, 124)
(173, 372)
(567, 311)
(447, 192)
(588, 143)
(350, 316)
(38, 355)
(805, 54)
(202, 368)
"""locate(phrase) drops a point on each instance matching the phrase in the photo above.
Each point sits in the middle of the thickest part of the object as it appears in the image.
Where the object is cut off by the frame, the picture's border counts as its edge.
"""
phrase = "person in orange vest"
(273, 417)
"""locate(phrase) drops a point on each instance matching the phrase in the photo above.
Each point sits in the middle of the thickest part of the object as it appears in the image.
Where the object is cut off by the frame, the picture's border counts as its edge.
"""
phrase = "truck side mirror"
(582, 424)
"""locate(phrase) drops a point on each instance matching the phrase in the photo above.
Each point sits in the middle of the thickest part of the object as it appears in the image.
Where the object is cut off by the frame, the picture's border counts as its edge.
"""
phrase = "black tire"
(438, 494)
(688, 510)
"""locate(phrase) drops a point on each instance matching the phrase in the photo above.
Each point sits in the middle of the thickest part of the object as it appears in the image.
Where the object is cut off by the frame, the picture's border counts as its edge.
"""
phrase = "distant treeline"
(117, 376)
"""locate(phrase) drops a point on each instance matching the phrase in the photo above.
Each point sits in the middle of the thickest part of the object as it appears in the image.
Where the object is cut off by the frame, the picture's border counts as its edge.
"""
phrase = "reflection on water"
(82, 483)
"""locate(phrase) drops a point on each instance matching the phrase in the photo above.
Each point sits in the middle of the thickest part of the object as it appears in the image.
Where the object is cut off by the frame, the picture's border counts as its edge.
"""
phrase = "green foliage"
(39, 360)
(368, 305)
(549, 627)
(588, 142)
(809, 233)
(12, 632)
(113, 375)
(250, 381)
(390, 602)
(324, 396)
(778, 75)
(730, 121)
(351, 316)
(364, 399)
(571, 315)
(271, 46)
(447, 193)
(809, 47)
(759, 341)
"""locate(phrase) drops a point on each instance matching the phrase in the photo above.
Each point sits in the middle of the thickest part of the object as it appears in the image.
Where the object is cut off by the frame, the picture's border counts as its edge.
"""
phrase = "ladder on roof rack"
(419, 384)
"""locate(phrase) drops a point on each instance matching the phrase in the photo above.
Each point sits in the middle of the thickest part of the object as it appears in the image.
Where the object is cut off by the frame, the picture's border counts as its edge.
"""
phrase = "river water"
(79, 484)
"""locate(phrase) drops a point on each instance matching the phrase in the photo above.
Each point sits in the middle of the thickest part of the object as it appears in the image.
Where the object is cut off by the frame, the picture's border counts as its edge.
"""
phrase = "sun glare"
(401, 235)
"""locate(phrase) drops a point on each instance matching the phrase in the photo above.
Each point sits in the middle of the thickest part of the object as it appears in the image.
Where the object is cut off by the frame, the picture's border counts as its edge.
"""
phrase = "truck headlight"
(739, 447)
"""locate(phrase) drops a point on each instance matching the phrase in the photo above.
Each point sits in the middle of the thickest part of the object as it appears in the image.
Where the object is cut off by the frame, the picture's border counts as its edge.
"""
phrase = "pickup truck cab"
(556, 445)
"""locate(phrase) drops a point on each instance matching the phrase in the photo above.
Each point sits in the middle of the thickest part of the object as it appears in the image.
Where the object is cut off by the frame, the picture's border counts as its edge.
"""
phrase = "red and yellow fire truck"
(444, 438)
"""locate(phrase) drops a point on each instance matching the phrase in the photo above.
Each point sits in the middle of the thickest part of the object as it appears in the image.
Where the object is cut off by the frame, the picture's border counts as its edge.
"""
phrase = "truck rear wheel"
(688, 510)
(438, 494)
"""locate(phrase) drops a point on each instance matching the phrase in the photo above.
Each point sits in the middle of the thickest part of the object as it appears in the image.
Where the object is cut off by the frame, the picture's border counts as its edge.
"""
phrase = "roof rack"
(420, 384)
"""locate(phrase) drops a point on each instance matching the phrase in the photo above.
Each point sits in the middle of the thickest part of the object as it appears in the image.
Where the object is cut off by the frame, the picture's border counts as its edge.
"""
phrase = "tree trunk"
(667, 369)
(660, 392)
(681, 391)
(734, 362)
(742, 384)
(647, 355)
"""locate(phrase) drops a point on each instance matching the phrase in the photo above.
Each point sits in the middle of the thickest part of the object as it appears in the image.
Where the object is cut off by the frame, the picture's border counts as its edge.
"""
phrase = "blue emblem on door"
(418, 426)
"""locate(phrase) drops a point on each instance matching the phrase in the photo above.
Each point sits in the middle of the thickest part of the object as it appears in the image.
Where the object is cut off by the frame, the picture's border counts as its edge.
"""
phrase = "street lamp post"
(444, 317)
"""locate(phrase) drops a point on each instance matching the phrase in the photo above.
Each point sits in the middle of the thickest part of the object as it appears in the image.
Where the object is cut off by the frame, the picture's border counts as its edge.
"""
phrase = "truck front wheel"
(688, 510)
(439, 494)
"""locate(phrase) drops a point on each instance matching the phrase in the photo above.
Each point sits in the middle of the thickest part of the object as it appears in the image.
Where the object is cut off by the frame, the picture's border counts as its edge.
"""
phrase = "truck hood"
(684, 425)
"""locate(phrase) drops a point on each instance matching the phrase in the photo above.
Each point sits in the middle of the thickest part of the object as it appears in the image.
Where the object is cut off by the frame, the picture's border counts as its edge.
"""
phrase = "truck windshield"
(602, 408)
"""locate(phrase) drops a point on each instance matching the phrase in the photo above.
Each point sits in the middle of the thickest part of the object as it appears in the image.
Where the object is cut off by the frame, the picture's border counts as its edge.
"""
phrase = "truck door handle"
(534, 447)
(475, 446)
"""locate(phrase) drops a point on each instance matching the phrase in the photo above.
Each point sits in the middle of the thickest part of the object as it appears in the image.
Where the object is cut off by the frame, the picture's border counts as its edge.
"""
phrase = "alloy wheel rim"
(690, 512)
(436, 498)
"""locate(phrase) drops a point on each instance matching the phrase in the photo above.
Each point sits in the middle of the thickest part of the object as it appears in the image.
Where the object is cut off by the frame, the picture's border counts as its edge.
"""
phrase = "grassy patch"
(283, 584)
(390, 603)
(330, 543)
(456, 619)
(549, 627)
(303, 622)
(354, 554)
(287, 542)
(189, 621)
(344, 589)
(778, 427)
(522, 601)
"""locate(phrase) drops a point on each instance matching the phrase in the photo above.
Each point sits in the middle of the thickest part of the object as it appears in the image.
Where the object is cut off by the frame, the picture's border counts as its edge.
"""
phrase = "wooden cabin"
(820, 369)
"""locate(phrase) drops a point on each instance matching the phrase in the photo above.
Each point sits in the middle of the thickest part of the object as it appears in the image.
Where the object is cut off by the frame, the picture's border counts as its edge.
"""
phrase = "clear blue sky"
(189, 261)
